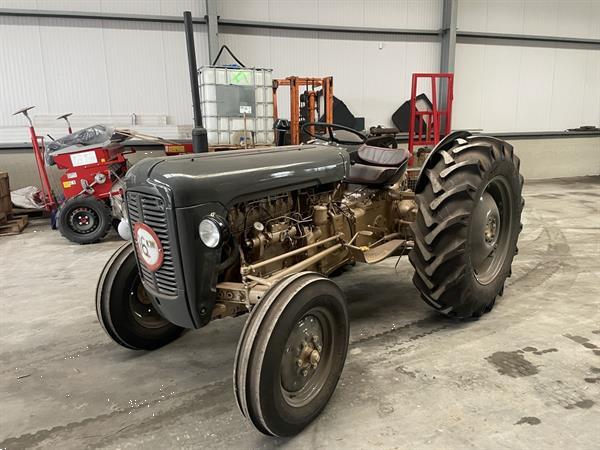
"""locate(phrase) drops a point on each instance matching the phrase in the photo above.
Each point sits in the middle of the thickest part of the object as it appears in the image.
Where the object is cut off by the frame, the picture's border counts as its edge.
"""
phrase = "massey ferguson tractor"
(258, 231)
(222, 234)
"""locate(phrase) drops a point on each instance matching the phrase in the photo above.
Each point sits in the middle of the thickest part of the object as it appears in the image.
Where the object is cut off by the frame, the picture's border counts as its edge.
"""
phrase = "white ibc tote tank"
(229, 93)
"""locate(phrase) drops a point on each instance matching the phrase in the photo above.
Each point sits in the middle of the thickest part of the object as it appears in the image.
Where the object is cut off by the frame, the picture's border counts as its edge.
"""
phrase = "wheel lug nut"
(304, 372)
(315, 357)
(299, 362)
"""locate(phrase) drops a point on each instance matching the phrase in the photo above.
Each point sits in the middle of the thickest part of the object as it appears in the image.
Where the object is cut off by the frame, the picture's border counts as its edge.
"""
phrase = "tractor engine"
(276, 225)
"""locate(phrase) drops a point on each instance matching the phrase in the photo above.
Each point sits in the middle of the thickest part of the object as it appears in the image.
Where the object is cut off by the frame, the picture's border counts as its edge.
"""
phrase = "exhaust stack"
(199, 137)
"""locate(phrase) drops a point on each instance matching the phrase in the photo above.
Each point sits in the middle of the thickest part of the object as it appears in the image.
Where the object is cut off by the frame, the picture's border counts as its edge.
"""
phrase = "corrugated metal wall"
(564, 18)
(372, 81)
(149, 7)
(414, 14)
(97, 67)
(114, 67)
(371, 72)
(527, 86)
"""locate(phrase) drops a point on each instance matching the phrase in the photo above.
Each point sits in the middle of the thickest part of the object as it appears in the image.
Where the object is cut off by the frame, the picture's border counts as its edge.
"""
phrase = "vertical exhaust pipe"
(199, 137)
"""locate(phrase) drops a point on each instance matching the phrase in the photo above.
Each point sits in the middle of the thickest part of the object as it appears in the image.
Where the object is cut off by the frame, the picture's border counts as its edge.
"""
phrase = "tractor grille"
(151, 211)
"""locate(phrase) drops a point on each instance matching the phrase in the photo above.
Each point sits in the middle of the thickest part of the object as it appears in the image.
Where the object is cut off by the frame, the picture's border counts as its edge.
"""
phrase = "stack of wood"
(9, 222)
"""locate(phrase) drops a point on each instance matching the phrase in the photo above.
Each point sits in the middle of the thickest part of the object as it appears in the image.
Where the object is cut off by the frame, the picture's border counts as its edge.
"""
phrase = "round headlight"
(210, 233)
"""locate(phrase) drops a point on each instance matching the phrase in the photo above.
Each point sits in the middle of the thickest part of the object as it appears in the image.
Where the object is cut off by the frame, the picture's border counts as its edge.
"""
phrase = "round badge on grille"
(148, 245)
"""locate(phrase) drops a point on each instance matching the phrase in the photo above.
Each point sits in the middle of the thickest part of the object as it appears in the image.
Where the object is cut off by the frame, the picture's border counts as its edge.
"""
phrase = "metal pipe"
(199, 138)
(306, 263)
(259, 280)
(260, 264)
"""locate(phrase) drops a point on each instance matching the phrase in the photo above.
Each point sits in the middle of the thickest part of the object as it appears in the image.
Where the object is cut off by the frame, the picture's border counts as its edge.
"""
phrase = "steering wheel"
(328, 133)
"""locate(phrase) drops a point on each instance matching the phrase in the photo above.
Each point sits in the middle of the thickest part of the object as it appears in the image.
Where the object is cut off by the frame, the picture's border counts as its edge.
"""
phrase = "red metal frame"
(47, 195)
(433, 132)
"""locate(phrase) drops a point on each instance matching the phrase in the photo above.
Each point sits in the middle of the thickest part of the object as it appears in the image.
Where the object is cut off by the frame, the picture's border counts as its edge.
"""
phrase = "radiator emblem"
(148, 245)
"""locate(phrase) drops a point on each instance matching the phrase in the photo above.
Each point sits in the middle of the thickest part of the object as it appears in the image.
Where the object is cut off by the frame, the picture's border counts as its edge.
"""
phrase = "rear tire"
(124, 309)
(467, 227)
(84, 219)
(291, 354)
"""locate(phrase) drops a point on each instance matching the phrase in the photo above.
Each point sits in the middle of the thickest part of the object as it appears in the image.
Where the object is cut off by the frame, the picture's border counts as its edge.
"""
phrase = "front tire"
(124, 308)
(291, 354)
(467, 226)
(84, 219)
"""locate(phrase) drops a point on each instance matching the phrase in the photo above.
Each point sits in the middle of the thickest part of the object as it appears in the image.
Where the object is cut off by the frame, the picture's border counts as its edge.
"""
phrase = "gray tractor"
(258, 231)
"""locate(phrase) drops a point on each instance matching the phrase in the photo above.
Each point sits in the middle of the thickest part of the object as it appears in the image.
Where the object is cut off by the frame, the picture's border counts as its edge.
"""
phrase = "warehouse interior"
(236, 122)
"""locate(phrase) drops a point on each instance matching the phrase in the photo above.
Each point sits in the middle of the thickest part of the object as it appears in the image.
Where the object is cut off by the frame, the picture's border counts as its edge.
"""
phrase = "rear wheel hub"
(490, 231)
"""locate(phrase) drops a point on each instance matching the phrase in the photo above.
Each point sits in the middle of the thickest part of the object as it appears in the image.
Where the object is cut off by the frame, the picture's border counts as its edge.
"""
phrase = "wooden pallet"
(32, 213)
(14, 225)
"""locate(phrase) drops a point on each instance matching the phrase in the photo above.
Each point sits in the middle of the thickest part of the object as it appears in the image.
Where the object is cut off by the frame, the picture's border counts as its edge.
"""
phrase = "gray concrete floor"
(526, 375)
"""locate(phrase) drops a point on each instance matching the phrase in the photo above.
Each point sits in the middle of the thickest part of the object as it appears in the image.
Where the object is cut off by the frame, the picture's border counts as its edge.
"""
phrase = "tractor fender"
(444, 144)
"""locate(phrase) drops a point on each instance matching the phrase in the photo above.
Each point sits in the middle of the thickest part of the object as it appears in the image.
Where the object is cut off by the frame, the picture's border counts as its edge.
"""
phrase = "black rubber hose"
(224, 47)
(231, 259)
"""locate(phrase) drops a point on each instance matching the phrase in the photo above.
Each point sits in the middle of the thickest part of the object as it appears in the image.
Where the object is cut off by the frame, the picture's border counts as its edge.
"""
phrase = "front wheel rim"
(307, 357)
(491, 230)
(141, 307)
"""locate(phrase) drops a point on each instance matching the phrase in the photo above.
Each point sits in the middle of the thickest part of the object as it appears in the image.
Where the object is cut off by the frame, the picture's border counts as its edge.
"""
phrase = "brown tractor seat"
(377, 166)
(382, 156)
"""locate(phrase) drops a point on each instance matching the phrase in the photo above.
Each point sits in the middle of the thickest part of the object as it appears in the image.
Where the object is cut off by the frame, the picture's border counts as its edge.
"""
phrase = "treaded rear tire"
(453, 182)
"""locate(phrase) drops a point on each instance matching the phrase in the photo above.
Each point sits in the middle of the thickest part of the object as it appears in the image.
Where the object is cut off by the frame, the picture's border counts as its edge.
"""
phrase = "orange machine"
(310, 105)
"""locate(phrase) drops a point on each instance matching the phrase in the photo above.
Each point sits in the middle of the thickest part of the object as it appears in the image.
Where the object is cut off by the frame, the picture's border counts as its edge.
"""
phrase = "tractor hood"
(233, 176)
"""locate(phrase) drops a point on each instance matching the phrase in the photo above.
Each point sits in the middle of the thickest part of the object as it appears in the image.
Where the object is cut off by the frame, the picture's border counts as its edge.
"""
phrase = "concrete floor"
(525, 376)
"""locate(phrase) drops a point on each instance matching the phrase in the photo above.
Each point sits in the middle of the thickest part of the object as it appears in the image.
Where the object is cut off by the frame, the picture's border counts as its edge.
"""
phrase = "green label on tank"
(241, 78)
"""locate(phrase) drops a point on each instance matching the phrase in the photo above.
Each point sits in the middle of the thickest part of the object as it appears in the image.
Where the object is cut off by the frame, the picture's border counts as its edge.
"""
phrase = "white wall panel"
(23, 81)
(423, 14)
(252, 48)
(505, 16)
(341, 12)
(534, 94)
(540, 18)
(373, 82)
(343, 57)
(290, 11)
(386, 14)
(131, 6)
(591, 98)
(595, 21)
(135, 67)
(520, 88)
(419, 14)
(74, 66)
(175, 62)
(95, 67)
(568, 89)
(564, 18)
(24, 4)
(575, 18)
(142, 7)
(244, 9)
(176, 7)
(499, 102)
(68, 5)
(469, 86)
